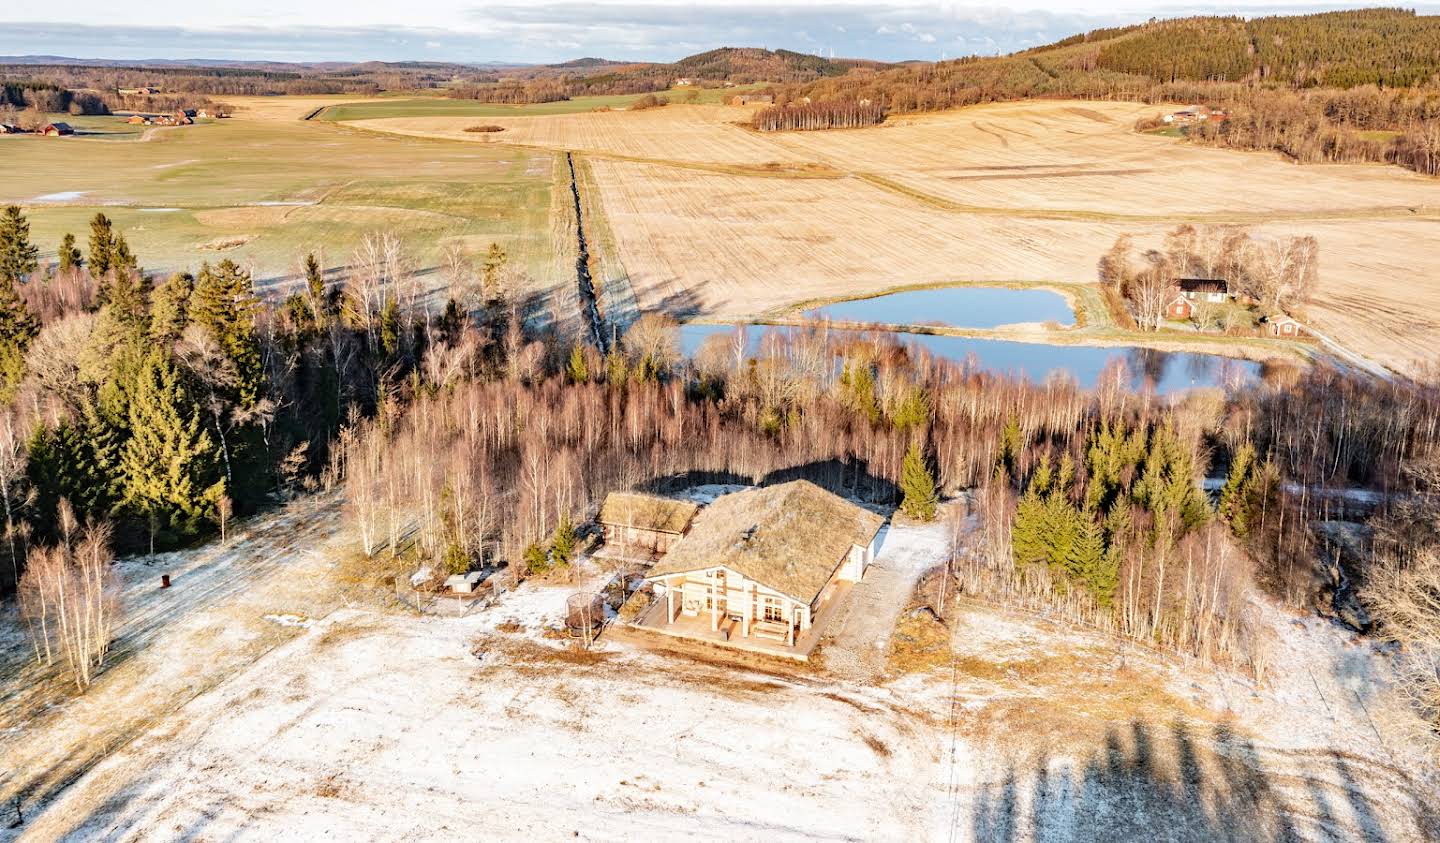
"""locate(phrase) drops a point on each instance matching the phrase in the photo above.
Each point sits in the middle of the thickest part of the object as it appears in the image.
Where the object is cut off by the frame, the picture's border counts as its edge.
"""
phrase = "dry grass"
(919, 644)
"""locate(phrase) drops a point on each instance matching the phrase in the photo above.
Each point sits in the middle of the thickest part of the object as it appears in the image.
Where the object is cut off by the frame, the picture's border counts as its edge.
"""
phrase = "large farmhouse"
(763, 567)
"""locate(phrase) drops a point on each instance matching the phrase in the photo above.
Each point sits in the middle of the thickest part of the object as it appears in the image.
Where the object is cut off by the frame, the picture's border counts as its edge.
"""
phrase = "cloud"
(556, 30)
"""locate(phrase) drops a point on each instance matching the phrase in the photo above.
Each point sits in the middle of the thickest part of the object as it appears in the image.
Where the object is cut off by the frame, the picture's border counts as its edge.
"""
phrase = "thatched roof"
(789, 537)
(662, 515)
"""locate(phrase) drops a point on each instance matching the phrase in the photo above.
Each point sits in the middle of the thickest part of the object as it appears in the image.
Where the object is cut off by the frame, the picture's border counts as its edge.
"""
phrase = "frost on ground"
(376, 724)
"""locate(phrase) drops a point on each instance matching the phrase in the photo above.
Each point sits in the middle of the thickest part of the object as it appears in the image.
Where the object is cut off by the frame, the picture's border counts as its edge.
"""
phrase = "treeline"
(832, 114)
(1386, 110)
(164, 406)
(234, 81)
(46, 97)
(514, 93)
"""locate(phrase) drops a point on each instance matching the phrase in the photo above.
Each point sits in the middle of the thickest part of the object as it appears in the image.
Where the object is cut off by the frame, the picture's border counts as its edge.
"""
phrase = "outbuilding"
(636, 524)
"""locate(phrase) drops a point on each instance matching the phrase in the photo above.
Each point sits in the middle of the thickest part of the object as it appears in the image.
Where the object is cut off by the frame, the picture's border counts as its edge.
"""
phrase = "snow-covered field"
(355, 722)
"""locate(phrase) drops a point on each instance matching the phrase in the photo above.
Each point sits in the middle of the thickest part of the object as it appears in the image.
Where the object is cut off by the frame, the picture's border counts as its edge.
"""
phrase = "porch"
(767, 637)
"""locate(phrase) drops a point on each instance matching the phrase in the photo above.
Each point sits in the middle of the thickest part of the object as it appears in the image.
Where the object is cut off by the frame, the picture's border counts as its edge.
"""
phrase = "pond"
(956, 307)
(1165, 372)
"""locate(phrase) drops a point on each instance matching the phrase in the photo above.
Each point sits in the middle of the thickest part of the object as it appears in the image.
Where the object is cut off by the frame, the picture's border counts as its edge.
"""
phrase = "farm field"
(405, 107)
(264, 187)
(1032, 191)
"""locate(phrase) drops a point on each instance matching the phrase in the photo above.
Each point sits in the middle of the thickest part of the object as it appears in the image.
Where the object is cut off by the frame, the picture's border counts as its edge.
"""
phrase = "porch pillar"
(790, 623)
(669, 603)
(748, 605)
(714, 607)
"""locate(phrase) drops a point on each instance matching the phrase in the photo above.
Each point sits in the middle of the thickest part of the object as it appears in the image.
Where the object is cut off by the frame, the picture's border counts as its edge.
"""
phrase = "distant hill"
(1337, 86)
(1390, 48)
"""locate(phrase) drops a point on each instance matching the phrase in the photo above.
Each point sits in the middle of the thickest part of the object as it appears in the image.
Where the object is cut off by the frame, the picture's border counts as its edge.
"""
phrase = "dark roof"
(1204, 285)
(62, 127)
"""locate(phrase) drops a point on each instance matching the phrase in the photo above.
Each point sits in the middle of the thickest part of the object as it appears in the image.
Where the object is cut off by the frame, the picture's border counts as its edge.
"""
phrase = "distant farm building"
(1194, 114)
(643, 524)
(1284, 326)
(1180, 307)
(682, 82)
(1204, 289)
(10, 129)
(143, 91)
(763, 569)
(753, 99)
(55, 130)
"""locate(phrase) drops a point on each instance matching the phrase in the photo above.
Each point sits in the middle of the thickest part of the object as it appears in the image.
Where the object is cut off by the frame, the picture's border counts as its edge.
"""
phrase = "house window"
(774, 611)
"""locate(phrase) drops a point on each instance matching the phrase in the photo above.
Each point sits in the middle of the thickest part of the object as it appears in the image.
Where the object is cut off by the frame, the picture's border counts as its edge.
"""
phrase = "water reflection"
(959, 307)
(1133, 366)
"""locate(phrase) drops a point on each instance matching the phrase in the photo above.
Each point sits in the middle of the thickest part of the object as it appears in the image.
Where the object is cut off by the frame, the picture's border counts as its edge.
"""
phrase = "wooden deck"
(772, 642)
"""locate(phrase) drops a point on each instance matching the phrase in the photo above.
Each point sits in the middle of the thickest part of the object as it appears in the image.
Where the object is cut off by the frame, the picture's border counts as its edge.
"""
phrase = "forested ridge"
(1338, 86)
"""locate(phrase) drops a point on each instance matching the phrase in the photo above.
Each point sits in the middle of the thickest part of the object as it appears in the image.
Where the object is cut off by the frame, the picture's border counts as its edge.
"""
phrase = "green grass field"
(440, 107)
(264, 191)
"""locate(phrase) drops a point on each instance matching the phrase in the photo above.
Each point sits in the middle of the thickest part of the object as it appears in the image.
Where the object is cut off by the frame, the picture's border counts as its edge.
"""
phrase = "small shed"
(55, 130)
(644, 523)
(1284, 326)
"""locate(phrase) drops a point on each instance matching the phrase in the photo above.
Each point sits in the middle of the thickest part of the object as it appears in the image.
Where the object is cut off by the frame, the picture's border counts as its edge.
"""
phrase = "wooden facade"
(763, 564)
(739, 606)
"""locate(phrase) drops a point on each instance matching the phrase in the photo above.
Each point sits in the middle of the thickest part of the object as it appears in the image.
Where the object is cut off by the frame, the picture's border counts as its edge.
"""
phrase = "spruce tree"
(120, 257)
(18, 256)
(577, 369)
(102, 246)
(492, 267)
(1028, 542)
(562, 544)
(170, 466)
(17, 329)
(168, 308)
(224, 303)
(918, 485)
(69, 253)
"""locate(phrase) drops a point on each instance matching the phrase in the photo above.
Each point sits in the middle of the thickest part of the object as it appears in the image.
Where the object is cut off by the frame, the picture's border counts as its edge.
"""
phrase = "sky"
(542, 31)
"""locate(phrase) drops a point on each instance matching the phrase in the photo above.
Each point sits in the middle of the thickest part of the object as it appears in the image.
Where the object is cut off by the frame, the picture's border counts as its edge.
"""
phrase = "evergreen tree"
(858, 380)
(491, 268)
(17, 329)
(390, 328)
(120, 257)
(912, 411)
(18, 256)
(170, 467)
(562, 544)
(1234, 503)
(536, 560)
(577, 369)
(123, 295)
(168, 308)
(224, 303)
(452, 321)
(102, 246)
(69, 253)
(616, 368)
(1028, 540)
(62, 462)
(918, 486)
